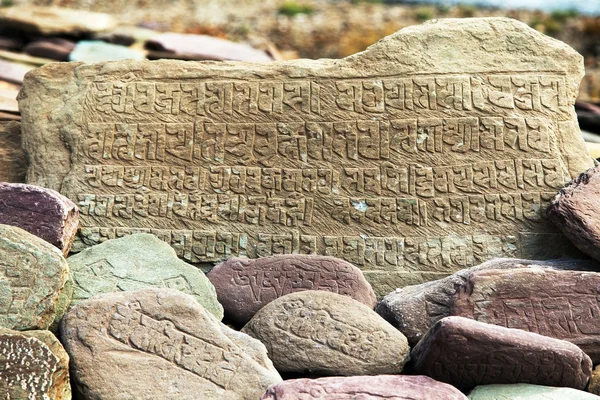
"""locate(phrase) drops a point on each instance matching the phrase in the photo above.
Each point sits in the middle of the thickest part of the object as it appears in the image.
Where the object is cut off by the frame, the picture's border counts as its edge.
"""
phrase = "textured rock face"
(467, 353)
(33, 366)
(594, 385)
(138, 262)
(414, 309)
(389, 387)
(166, 335)
(326, 333)
(434, 150)
(33, 277)
(529, 392)
(244, 286)
(575, 211)
(43, 212)
(13, 165)
(559, 304)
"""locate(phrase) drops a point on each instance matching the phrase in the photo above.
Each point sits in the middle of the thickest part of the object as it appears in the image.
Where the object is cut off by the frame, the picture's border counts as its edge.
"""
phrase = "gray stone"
(160, 343)
(328, 334)
(94, 51)
(524, 391)
(138, 262)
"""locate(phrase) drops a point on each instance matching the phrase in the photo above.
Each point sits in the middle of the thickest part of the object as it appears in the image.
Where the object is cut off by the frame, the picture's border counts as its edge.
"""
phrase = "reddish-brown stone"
(389, 387)
(244, 286)
(466, 353)
(42, 212)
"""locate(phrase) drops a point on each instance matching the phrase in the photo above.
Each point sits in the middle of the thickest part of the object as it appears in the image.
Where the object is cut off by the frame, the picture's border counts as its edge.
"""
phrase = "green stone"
(524, 391)
(137, 262)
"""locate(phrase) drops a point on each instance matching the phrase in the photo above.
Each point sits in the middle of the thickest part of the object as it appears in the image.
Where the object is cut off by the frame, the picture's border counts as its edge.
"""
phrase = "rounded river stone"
(328, 334)
(160, 342)
(136, 262)
(244, 285)
(32, 277)
(524, 391)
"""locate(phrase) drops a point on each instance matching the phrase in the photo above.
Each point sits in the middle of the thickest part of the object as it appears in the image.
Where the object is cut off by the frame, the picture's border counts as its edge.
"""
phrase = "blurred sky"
(583, 6)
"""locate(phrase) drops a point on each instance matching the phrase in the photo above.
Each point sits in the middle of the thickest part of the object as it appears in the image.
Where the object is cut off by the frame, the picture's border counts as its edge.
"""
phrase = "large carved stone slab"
(435, 149)
(166, 335)
(33, 365)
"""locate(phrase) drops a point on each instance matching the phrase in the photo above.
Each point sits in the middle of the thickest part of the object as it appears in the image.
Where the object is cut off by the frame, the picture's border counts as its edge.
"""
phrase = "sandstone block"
(166, 335)
(137, 262)
(329, 334)
(43, 212)
(466, 353)
(13, 165)
(33, 277)
(33, 365)
(244, 285)
(528, 392)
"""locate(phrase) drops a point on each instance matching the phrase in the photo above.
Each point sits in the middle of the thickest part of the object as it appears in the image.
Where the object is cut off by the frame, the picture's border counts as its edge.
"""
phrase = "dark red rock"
(244, 286)
(575, 211)
(466, 353)
(52, 48)
(389, 387)
(42, 212)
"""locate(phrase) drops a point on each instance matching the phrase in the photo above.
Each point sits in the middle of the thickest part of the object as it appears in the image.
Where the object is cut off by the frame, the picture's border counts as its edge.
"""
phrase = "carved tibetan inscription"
(401, 160)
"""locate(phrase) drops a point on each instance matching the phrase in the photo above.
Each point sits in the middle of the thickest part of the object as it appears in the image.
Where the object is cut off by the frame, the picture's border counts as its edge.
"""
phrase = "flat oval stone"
(466, 353)
(43, 212)
(328, 334)
(528, 392)
(33, 365)
(244, 285)
(389, 387)
(168, 336)
(136, 262)
(51, 48)
(32, 277)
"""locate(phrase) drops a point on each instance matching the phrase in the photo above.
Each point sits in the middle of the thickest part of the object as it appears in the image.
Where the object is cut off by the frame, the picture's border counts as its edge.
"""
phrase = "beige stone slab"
(435, 149)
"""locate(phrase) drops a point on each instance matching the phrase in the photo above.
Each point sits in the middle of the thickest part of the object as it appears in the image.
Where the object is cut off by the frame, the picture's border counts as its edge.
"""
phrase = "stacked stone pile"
(138, 185)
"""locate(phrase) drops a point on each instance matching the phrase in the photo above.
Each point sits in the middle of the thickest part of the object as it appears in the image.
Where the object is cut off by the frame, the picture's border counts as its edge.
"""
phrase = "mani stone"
(328, 334)
(524, 391)
(560, 304)
(43, 212)
(414, 309)
(136, 262)
(116, 341)
(575, 211)
(13, 164)
(244, 286)
(388, 387)
(435, 149)
(32, 277)
(466, 353)
(33, 366)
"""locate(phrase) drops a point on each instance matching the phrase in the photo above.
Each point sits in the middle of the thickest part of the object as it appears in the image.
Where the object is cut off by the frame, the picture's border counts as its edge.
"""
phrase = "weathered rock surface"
(54, 20)
(166, 335)
(575, 211)
(94, 51)
(244, 285)
(466, 353)
(43, 212)
(414, 309)
(13, 165)
(524, 391)
(33, 365)
(389, 387)
(33, 276)
(435, 149)
(594, 385)
(329, 334)
(560, 304)
(136, 262)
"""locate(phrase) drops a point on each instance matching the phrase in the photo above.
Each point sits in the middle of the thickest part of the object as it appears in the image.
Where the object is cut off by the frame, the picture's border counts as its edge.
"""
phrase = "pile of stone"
(224, 230)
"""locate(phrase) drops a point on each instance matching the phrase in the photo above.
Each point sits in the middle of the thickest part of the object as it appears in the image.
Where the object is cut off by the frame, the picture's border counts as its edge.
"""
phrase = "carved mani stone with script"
(165, 345)
(388, 387)
(244, 286)
(435, 149)
(467, 353)
(33, 366)
(137, 262)
(32, 277)
(414, 309)
(44, 212)
(328, 334)
(560, 304)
